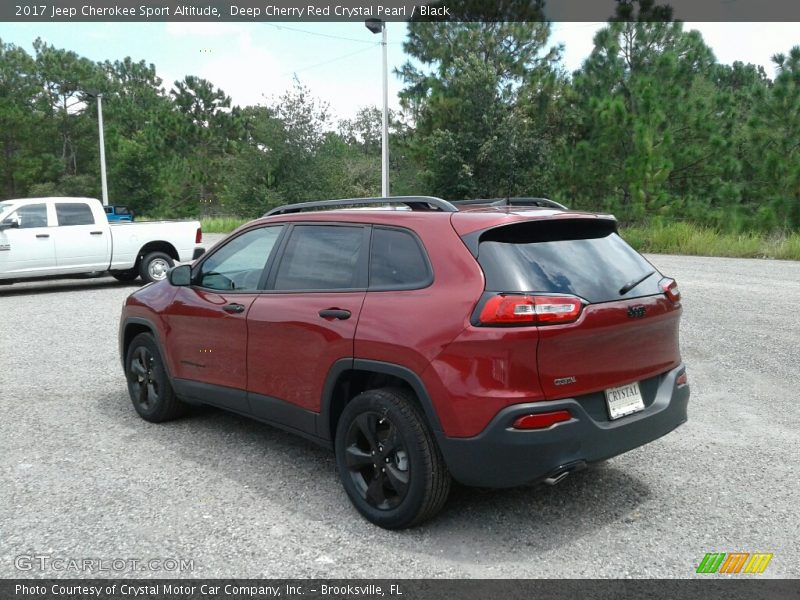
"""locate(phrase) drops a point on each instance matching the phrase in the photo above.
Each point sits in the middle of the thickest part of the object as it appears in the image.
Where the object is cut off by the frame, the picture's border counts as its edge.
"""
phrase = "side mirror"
(180, 276)
(9, 224)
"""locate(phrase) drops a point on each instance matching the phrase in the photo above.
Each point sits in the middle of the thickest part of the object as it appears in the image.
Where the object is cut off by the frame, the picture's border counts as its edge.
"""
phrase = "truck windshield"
(5, 206)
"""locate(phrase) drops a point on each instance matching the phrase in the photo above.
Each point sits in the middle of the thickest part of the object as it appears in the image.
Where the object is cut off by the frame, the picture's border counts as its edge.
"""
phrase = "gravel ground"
(82, 476)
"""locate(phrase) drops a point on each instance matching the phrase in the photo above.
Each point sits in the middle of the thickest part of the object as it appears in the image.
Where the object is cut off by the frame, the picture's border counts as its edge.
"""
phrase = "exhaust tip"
(561, 473)
(556, 479)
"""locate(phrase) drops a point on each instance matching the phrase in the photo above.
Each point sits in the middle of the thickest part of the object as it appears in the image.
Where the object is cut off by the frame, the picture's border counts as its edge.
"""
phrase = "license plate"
(624, 400)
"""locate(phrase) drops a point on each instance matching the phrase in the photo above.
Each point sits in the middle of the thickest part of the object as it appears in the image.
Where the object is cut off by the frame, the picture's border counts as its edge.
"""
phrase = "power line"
(325, 35)
(327, 62)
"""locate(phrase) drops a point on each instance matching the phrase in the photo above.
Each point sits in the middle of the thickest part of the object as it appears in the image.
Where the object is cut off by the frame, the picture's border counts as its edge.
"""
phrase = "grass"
(686, 238)
(656, 238)
(221, 224)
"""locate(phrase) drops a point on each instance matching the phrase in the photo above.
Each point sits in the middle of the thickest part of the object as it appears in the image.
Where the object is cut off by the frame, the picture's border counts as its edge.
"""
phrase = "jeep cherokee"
(496, 343)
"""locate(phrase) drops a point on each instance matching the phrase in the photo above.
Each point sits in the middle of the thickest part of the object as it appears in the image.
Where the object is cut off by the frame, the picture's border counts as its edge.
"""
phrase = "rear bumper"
(501, 456)
(198, 252)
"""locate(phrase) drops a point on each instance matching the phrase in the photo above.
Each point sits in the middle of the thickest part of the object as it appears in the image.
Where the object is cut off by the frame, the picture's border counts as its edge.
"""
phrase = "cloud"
(205, 29)
(245, 71)
(252, 69)
(748, 42)
(578, 40)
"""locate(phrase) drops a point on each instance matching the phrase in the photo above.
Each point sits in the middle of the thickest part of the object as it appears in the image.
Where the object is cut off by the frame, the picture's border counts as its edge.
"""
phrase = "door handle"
(96, 233)
(334, 313)
(233, 308)
(42, 235)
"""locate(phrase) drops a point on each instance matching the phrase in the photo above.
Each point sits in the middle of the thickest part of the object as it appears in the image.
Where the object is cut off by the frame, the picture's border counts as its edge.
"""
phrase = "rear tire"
(388, 461)
(154, 266)
(148, 384)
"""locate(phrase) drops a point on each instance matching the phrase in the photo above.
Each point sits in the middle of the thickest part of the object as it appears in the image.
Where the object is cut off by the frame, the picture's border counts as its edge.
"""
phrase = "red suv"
(497, 342)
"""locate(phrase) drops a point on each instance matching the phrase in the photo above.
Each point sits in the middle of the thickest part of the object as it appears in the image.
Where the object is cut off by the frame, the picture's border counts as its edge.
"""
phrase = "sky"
(339, 62)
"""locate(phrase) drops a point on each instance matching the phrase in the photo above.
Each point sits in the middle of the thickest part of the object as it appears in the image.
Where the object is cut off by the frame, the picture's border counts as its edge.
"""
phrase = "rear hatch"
(606, 316)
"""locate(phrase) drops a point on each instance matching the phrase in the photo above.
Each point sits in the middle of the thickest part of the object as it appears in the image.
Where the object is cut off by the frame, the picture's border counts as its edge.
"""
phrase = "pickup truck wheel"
(128, 275)
(154, 266)
(148, 385)
(388, 461)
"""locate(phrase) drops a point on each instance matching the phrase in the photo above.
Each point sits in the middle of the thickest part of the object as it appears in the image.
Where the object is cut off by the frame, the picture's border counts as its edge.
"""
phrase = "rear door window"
(397, 261)
(584, 258)
(74, 213)
(323, 257)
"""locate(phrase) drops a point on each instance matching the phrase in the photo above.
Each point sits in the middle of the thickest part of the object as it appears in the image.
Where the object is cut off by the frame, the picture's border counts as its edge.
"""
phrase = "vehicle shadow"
(55, 286)
(301, 478)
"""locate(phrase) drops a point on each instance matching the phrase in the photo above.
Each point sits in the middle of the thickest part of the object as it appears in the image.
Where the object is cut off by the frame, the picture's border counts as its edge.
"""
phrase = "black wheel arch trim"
(343, 365)
(123, 351)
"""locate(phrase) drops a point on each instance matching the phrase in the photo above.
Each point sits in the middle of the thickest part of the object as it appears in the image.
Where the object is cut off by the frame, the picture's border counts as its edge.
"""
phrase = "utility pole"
(375, 26)
(103, 181)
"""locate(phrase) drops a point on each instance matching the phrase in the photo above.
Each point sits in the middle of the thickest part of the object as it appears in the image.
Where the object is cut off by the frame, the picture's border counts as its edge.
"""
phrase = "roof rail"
(419, 203)
(541, 202)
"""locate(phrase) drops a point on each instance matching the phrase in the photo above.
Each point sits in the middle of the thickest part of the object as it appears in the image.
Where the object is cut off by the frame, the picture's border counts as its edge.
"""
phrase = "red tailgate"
(611, 344)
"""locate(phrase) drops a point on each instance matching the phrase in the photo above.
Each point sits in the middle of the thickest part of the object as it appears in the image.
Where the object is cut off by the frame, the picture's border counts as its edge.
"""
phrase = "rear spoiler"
(500, 202)
(544, 230)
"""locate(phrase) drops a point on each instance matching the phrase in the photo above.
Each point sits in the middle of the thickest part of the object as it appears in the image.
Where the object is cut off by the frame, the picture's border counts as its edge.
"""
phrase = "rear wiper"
(632, 284)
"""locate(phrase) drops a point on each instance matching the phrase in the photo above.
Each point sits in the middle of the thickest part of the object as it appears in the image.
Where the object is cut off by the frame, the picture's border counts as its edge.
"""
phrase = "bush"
(687, 238)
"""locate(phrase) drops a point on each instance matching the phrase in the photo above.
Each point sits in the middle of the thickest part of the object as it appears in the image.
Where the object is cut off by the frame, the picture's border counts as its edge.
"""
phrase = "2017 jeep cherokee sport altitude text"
(498, 344)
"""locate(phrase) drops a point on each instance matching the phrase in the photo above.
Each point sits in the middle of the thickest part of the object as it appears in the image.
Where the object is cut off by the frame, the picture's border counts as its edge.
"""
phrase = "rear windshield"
(584, 258)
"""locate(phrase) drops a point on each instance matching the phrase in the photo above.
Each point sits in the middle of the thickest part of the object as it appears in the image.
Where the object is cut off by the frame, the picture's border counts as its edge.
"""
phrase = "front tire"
(148, 384)
(154, 266)
(388, 461)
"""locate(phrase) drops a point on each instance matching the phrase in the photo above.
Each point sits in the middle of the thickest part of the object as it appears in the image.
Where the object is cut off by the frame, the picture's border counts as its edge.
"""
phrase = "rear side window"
(583, 258)
(397, 261)
(77, 213)
(321, 257)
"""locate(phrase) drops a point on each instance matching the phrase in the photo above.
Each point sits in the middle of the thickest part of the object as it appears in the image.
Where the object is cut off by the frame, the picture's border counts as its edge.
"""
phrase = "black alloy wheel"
(143, 382)
(148, 384)
(388, 460)
(377, 460)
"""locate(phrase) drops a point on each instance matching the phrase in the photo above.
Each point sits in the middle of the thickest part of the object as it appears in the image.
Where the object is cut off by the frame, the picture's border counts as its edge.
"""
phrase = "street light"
(379, 26)
(103, 182)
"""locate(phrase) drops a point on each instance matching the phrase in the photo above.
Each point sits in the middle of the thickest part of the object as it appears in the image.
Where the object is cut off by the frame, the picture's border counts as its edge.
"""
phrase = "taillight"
(512, 309)
(198, 237)
(670, 288)
(542, 420)
(682, 379)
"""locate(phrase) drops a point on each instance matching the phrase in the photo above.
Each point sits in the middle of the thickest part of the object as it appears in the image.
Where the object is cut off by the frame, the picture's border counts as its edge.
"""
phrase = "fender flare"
(153, 330)
(374, 366)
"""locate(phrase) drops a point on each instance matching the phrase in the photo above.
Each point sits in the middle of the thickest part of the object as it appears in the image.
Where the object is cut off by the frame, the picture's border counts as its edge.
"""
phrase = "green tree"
(66, 77)
(134, 106)
(468, 103)
(199, 134)
(645, 139)
(775, 131)
(251, 174)
(24, 152)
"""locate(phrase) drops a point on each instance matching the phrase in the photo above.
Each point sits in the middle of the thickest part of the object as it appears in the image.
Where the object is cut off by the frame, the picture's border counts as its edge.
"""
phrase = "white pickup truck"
(62, 237)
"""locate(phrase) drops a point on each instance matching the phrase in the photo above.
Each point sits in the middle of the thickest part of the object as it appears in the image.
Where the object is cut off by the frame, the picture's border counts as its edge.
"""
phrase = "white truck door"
(81, 244)
(27, 248)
